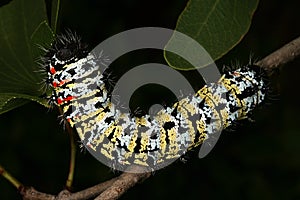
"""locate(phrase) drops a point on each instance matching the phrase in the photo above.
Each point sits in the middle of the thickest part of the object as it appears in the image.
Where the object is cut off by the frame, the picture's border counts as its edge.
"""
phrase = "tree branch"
(29, 193)
(282, 56)
(124, 182)
(92, 191)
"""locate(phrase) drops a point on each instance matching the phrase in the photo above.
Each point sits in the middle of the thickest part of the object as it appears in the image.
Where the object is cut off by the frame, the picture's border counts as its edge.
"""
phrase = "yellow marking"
(181, 109)
(69, 65)
(70, 121)
(106, 154)
(109, 147)
(184, 103)
(202, 92)
(210, 103)
(139, 162)
(89, 115)
(117, 131)
(80, 133)
(141, 121)
(191, 130)
(218, 121)
(162, 117)
(234, 90)
(127, 155)
(65, 108)
(144, 142)
(173, 145)
(132, 142)
(221, 79)
(172, 157)
(249, 79)
(227, 84)
(163, 143)
(141, 156)
(201, 125)
(172, 133)
(100, 114)
(224, 115)
(99, 139)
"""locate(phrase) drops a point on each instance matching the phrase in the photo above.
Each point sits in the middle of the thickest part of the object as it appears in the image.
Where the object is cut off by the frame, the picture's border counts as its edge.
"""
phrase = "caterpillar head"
(66, 49)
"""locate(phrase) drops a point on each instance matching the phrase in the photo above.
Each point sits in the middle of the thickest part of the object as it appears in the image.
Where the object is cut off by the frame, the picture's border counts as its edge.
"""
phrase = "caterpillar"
(79, 88)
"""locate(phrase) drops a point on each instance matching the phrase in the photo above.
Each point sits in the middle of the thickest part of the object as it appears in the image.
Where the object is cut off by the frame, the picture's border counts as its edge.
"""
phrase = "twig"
(29, 193)
(92, 191)
(70, 132)
(282, 56)
(10, 178)
(69, 181)
(124, 182)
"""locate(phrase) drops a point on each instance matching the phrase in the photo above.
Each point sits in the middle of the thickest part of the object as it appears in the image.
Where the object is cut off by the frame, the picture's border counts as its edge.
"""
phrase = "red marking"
(68, 98)
(59, 100)
(52, 70)
(54, 84)
(63, 82)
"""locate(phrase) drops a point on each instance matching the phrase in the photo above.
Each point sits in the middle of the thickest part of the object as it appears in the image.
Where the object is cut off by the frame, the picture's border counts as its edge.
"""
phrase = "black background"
(257, 160)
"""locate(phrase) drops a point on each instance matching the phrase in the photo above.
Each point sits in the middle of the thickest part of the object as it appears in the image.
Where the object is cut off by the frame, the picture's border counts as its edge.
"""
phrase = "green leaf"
(9, 101)
(23, 27)
(217, 25)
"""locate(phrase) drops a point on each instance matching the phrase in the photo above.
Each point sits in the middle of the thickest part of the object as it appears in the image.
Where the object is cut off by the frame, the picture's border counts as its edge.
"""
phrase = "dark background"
(257, 160)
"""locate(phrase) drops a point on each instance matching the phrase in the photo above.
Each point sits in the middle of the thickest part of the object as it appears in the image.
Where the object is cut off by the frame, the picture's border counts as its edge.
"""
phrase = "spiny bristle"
(66, 39)
(70, 42)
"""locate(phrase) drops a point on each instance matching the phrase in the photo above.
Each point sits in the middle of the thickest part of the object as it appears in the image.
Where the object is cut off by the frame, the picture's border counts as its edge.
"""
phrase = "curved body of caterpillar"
(78, 87)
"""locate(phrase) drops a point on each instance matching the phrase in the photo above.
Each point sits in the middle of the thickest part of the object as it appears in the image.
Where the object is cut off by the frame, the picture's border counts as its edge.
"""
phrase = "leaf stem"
(69, 181)
(10, 178)
(70, 178)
